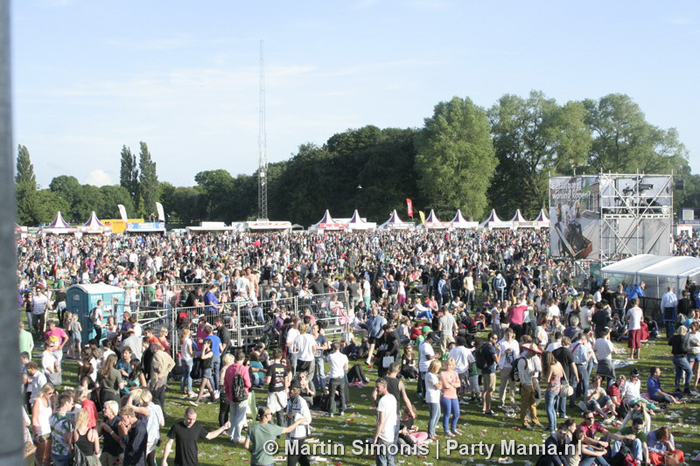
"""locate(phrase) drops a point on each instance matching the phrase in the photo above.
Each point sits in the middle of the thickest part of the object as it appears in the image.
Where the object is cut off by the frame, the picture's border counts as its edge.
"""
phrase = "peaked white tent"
(519, 221)
(93, 225)
(434, 223)
(395, 223)
(459, 222)
(328, 224)
(541, 221)
(357, 223)
(493, 222)
(58, 227)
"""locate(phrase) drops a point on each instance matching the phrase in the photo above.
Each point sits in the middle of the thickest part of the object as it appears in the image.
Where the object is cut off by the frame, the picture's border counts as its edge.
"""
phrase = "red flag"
(409, 204)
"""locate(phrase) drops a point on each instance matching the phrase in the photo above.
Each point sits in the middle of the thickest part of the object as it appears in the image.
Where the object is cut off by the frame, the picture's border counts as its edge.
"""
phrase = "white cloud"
(99, 178)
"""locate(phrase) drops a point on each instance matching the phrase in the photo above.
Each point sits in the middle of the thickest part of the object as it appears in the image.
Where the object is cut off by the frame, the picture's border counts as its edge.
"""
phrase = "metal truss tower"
(262, 144)
(636, 214)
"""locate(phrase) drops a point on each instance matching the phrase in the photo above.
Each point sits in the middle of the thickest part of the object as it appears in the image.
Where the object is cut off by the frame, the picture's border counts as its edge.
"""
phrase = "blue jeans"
(550, 405)
(216, 371)
(589, 460)
(186, 379)
(59, 460)
(319, 373)
(682, 366)
(635, 448)
(434, 417)
(450, 407)
(384, 457)
(236, 416)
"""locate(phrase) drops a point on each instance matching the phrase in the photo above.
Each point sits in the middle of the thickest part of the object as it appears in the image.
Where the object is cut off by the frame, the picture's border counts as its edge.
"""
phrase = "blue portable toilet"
(81, 299)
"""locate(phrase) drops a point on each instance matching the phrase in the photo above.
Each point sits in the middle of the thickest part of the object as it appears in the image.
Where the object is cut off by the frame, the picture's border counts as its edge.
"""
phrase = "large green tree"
(25, 186)
(455, 158)
(624, 142)
(129, 178)
(148, 181)
(534, 138)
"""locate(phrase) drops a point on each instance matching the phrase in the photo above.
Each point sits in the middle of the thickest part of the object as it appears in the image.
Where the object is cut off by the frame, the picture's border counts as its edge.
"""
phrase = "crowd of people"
(472, 318)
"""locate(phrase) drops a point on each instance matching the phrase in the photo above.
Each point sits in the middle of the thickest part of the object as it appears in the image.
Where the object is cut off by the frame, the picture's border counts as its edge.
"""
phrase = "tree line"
(464, 157)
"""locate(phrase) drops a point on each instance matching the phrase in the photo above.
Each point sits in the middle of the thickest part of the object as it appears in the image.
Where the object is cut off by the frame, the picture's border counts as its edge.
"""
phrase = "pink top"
(451, 378)
(231, 373)
(516, 314)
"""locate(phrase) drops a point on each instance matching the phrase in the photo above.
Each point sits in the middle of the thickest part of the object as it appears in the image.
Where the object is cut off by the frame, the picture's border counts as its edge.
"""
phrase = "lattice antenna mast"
(262, 144)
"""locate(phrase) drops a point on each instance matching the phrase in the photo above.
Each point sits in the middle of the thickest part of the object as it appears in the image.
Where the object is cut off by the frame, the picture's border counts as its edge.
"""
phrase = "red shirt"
(89, 406)
(590, 431)
(231, 372)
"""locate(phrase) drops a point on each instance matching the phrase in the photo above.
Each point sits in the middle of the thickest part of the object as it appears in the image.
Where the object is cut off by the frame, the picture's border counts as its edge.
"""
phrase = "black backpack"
(514, 372)
(238, 391)
(480, 357)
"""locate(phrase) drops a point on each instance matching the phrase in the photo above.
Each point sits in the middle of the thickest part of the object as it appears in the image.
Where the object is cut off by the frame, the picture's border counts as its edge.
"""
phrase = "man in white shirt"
(509, 351)
(298, 409)
(447, 327)
(634, 318)
(338, 367)
(306, 345)
(463, 359)
(292, 351)
(669, 304)
(385, 435)
(426, 353)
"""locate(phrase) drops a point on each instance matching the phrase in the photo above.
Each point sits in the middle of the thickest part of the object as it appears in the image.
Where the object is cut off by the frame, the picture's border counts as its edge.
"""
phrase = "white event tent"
(459, 222)
(434, 223)
(358, 223)
(94, 226)
(541, 221)
(519, 221)
(658, 272)
(327, 223)
(395, 223)
(493, 222)
(58, 227)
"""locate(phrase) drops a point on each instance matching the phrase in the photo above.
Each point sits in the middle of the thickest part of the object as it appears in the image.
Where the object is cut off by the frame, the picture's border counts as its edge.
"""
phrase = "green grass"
(358, 423)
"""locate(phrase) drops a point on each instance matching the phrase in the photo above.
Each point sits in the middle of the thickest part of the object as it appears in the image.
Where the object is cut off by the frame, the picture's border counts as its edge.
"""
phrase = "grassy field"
(358, 425)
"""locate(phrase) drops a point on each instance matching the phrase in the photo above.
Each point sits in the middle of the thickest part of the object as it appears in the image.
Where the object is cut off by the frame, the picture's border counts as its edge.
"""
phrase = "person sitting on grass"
(662, 448)
(598, 401)
(654, 388)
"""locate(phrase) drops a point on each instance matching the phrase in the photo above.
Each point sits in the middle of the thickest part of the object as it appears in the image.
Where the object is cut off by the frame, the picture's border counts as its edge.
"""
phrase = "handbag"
(566, 389)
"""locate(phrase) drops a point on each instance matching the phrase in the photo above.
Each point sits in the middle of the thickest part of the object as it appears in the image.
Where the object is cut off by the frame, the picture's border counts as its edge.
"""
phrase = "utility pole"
(262, 144)
(12, 439)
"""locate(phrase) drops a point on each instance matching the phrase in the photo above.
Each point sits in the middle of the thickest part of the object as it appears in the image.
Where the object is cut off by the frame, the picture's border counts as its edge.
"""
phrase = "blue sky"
(90, 76)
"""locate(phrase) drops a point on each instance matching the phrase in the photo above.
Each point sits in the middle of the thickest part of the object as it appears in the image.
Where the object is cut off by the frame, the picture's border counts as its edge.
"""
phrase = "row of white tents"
(59, 226)
(432, 222)
(328, 223)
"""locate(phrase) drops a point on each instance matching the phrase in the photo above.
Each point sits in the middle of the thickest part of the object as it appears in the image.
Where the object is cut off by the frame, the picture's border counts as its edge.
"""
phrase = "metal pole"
(12, 440)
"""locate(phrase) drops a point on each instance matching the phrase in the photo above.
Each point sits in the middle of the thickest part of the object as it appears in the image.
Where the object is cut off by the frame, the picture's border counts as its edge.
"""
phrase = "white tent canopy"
(434, 223)
(395, 223)
(519, 221)
(460, 222)
(541, 221)
(658, 272)
(494, 222)
(59, 226)
(358, 223)
(93, 225)
(327, 223)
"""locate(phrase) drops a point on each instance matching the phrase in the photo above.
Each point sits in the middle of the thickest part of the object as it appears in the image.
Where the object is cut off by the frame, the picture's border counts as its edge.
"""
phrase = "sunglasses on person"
(590, 418)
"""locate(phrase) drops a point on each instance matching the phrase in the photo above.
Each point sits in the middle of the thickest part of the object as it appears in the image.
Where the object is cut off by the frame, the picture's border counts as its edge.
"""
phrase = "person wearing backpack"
(237, 384)
(487, 362)
(528, 382)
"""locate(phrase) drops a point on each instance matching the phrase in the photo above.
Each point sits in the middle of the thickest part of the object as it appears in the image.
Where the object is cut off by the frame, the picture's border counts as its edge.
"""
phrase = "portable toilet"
(81, 299)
